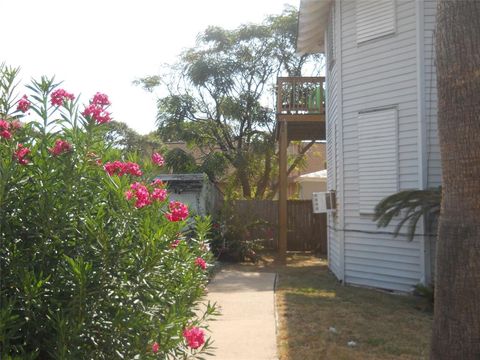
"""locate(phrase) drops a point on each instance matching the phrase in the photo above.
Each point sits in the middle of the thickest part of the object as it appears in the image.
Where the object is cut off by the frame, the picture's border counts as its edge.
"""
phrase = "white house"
(380, 126)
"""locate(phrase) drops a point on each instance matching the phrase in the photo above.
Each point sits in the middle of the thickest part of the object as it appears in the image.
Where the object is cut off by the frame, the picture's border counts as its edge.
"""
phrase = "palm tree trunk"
(456, 329)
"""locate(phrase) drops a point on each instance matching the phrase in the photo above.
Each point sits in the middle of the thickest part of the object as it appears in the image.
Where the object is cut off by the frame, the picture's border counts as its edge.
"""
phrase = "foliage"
(221, 96)
(411, 205)
(239, 238)
(119, 135)
(179, 161)
(86, 273)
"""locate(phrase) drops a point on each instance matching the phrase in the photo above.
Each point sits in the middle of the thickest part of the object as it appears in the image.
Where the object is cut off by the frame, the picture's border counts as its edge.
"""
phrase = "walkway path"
(246, 328)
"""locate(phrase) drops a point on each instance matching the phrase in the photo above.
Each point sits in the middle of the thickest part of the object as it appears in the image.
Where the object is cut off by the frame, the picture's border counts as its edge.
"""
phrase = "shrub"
(94, 264)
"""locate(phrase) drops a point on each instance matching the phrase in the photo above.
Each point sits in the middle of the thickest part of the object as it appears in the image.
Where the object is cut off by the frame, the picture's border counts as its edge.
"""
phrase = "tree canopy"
(221, 96)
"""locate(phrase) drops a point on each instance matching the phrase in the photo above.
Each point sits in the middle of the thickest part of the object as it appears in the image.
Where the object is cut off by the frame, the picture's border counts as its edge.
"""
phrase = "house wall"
(380, 73)
(334, 248)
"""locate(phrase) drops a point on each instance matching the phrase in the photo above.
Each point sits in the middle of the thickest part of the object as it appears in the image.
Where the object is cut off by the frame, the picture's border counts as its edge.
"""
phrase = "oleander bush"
(94, 259)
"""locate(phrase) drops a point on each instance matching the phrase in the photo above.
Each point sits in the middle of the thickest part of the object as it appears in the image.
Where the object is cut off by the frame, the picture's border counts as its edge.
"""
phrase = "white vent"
(377, 157)
(375, 18)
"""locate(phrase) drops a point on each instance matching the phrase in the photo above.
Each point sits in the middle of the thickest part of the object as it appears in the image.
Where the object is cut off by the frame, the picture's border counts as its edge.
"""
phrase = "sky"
(104, 45)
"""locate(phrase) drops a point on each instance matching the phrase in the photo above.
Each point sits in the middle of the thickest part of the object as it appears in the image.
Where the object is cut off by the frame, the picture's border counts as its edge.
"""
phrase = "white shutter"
(377, 157)
(375, 18)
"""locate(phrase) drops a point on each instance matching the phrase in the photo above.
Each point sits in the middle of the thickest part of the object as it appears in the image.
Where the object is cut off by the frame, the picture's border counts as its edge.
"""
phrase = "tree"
(119, 135)
(456, 328)
(218, 93)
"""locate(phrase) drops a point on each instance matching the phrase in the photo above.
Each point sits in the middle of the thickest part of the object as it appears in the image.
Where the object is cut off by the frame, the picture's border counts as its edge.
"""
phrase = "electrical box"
(323, 202)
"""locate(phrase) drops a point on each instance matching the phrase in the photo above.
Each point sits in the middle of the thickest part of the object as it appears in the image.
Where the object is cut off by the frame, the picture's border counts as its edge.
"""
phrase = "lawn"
(318, 316)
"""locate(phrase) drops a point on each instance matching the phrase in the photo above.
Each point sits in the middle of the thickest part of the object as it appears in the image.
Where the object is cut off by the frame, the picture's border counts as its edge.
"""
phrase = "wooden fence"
(306, 231)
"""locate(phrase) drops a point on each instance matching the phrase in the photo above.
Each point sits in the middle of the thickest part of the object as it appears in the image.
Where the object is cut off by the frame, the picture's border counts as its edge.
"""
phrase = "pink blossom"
(120, 168)
(157, 183)
(97, 113)
(21, 153)
(194, 336)
(128, 194)
(140, 192)
(159, 194)
(158, 159)
(6, 134)
(23, 104)
(177, 211)
(155, 347)
(100, 99)
(200, 263)
(59, 96)
(175, 243)
(61, 146)
(16, 124)
(4, 125)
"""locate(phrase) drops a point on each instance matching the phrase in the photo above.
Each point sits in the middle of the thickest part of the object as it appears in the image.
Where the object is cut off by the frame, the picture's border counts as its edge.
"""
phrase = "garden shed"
(196, 190)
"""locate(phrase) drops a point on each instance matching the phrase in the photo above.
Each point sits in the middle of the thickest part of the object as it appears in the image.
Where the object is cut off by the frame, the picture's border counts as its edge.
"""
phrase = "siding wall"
(332, 112)
(375, 74)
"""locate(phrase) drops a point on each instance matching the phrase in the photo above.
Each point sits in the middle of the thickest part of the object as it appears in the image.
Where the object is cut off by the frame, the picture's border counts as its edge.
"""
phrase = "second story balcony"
(301, 105)
(300, 99)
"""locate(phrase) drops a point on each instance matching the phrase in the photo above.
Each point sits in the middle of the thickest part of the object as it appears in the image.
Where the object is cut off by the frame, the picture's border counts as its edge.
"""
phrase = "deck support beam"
(282, 192)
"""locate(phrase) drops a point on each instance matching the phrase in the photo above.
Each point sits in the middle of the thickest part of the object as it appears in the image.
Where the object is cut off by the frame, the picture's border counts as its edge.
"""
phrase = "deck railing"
(300, 95)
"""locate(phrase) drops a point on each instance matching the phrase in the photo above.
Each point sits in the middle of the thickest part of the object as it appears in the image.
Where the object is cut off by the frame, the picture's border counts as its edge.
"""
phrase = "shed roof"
(312, 23)
(313, 176)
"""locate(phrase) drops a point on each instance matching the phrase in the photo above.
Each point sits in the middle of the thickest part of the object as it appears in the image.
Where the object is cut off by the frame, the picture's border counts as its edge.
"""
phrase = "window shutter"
(377, 157)
(375, 18)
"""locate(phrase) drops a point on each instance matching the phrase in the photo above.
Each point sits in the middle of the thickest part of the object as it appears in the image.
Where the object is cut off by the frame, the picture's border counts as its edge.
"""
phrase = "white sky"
(103, 45)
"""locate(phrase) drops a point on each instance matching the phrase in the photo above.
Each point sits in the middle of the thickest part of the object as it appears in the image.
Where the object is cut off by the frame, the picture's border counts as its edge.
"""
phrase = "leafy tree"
(120, 136)
(218, 93)
(456, 328)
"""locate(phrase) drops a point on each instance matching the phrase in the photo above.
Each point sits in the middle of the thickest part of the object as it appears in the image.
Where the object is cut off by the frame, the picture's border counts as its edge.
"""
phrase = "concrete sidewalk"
(246, 328)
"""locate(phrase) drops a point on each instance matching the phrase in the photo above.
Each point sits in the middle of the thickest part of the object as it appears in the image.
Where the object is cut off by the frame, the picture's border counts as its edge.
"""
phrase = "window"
(377, 157)
(375, 18)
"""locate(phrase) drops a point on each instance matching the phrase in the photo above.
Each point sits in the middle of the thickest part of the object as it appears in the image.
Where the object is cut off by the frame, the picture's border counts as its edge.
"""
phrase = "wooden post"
(282, 192)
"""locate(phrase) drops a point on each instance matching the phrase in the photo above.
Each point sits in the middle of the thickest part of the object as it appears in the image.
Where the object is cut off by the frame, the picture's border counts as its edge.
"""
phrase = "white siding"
(380, 73)
(377, 157)
(374, 19)
(332, 111)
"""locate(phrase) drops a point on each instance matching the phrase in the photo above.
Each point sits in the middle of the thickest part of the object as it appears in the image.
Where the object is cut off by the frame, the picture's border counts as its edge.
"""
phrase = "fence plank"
(306, 231)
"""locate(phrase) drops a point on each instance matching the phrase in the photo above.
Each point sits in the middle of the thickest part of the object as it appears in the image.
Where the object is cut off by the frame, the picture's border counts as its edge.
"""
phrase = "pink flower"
(21, 153)
(23, 104)
(97, 109)
(158, 159)
(100, 99)
(128, 194)
(59, 96)
(97, 113)
(61, 146)
(194, 336)
(121, 168)
(177, 211)
(6, 134)
(140, 192)
(4, 125)
(16, 124)
(200, 263)
(155, 347)
(159, 194)
(175, 243)
(157, 182)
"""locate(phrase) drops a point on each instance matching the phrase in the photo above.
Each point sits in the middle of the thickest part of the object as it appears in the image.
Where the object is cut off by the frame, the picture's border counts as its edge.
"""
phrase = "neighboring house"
(381, 129)
(195, 190)
(315, 160)
(310, 183)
